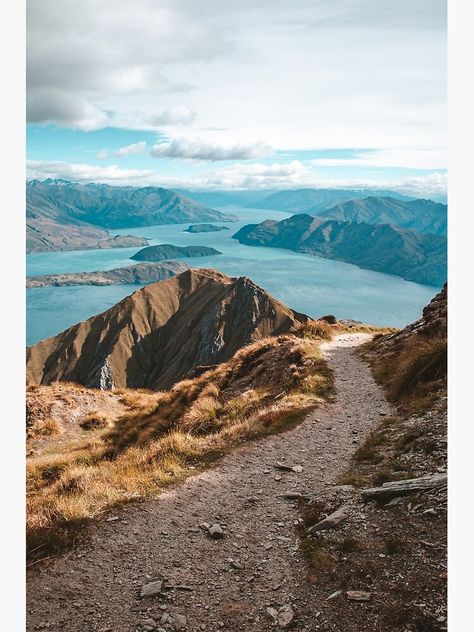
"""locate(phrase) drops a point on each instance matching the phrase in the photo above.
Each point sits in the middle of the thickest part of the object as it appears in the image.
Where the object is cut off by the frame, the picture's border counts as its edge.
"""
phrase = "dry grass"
(413, 371)
(48, 428)
(95, 421)
(265, 388)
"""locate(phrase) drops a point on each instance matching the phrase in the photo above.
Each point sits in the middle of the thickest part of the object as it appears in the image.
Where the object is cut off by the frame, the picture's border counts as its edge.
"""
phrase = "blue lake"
(311, 285)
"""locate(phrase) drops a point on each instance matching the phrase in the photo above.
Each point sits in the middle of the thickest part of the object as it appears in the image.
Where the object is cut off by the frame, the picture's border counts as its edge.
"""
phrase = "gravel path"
(215, 584)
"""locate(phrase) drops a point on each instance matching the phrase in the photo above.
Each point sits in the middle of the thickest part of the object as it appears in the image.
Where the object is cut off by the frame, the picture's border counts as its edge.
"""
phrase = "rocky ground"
(224, 550)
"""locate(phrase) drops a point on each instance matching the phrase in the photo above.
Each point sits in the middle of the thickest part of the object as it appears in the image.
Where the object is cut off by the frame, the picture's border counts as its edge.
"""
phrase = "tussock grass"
(265, 388)
(94, 421)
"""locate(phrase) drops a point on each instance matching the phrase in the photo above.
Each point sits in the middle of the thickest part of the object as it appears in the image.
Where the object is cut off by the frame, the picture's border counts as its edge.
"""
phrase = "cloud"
(238, 176)
(205, 150)
(129, 150)
(65, 110)
(305, 75)
(176, 115)
(431, 158)
(77, 172)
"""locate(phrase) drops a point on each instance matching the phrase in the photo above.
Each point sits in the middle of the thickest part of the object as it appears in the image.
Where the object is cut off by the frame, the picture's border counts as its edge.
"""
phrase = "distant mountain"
(162, 333)
(302, 200)
(139, 273)
(425, 216)
(384, 248)
(63, 215)
(226, 198)
(168, 251)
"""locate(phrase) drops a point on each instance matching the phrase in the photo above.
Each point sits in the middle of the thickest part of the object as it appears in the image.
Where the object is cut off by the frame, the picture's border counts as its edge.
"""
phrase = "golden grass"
(95, 421)
(265, 388)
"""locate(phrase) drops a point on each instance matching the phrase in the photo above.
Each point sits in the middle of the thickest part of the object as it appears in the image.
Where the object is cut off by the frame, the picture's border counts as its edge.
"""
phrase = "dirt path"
(224, 584)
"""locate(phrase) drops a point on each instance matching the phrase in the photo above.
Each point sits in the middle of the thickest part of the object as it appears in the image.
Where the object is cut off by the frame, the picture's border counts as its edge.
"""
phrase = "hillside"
(317, 200)
(65, 215)
(392, 538)
(162, 333)
(423, 216)
(168, 251)
(139, 273)
(383, 248)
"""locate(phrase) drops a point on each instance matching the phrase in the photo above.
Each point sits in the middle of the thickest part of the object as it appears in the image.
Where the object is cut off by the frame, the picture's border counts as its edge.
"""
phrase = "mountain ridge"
(381, 247)
(162, 332)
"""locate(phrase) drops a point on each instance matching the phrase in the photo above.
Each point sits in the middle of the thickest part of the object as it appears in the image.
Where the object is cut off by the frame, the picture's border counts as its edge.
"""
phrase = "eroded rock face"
(162, 332)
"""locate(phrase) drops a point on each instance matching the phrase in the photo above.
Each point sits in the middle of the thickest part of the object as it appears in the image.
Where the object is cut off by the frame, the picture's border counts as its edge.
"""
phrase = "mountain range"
(162, 333)
(63, 215)
(424, 216)
(382, 247)
(314, 201)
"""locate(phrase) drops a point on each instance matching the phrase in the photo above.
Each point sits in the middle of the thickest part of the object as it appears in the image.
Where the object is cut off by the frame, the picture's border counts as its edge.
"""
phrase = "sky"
(259, 94)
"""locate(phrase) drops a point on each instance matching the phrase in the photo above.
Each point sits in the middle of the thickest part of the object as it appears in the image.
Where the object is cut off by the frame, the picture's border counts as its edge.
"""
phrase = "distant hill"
(424, 216)
(138, 273)
(204, 228)
(384, 248)
(302, 200)
(63, 215)
(168, 251)
(162, 333)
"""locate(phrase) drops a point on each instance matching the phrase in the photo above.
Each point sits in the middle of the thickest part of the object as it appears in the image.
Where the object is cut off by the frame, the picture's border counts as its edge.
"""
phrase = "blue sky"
(261, 95)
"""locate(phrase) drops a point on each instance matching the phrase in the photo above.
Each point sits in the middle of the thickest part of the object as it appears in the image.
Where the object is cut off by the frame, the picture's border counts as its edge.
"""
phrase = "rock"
(113, 519)
(286, 614)
(407, 486)
(329, 318)
(149, 624)
(216, 532)
(288, 468)
(151, 589)
(359, 595)
(334, 595)
(272, 613)
(178, 622)
(333, 520)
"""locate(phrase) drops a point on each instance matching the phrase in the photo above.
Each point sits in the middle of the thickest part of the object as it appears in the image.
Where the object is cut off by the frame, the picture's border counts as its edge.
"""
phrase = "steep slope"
(162, 332)
(59, 212)
(139, 273)
(384, 248)
(425, 216)
(317, 200)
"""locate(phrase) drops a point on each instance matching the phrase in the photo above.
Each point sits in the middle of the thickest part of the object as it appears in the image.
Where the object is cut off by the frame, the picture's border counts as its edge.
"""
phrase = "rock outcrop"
(161, 333)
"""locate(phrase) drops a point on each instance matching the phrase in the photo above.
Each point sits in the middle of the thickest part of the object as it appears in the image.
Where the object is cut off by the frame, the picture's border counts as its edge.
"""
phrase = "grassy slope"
(77, 471)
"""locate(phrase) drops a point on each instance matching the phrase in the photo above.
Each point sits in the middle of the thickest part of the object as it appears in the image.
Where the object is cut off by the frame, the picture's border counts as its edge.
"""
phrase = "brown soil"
(224, 584)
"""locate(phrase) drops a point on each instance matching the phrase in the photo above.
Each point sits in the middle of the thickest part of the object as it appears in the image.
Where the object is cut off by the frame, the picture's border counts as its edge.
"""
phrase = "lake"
(308, 284)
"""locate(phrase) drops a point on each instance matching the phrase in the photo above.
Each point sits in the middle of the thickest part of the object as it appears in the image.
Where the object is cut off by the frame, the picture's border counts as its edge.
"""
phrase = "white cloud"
(304, 75)
(205, 150)
(238, 176)
(176, 115)
(129, 150)
(434, 158)
(76, 172)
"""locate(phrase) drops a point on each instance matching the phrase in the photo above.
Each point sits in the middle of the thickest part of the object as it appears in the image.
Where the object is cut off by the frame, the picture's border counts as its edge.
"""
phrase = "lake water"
(311, 285)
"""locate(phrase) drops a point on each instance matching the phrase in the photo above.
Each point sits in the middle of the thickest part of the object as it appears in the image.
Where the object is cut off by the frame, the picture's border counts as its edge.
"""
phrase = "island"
(204, 228)
(140, 273)
(168, 251)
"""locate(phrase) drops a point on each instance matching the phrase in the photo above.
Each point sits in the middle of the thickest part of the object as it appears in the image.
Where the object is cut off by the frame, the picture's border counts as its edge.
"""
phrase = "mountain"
(162, 333)
(63, 215)
(168, 251)
(425, 216)
(225, 198)
(139, 273)
(383, 247)
(316, 200)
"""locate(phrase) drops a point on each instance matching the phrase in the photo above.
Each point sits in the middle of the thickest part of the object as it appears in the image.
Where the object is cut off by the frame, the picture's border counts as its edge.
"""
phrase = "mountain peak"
(162, 333)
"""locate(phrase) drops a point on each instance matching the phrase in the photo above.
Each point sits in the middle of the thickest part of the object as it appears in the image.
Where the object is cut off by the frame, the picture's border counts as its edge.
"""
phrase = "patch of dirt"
(253, 578)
